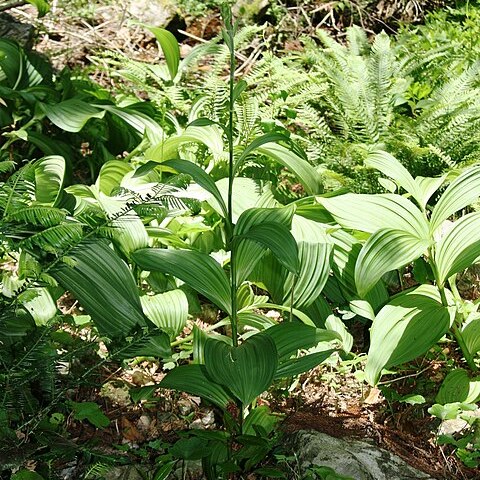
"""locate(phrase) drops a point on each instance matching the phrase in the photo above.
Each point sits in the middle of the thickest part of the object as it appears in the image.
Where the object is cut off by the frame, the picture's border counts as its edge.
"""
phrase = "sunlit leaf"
(247, 370)
(406, 328)
(463, 191)
(459, 247)
(384, 251)
(196, 269)
(168, 311)
(104, 286)
(195, 380)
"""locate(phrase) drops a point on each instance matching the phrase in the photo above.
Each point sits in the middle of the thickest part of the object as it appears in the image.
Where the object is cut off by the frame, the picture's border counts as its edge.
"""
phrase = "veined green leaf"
(196, 269)
(369, 213)
(41, 307)
(406, 328)
(140, 122)
(194, 379)
(391, 167)
(463, 191)
(246, 194)
(247, 370)
(314, 253)
(168, 311)
(458, 387)
(111, 174)
(210, 136)
(129, 232)
(345, 253)
(262, 223)
(471, 336)
(49, 176)
(104, 286)
(384, 251)
(458, 248)
(257, 143)
(170, 48)
(334, 324)
(306, 174)
(289, 337)
(201, 178)
(296, 366)
(428, 186)
(71, 115)
(260, 416)
(278, 239)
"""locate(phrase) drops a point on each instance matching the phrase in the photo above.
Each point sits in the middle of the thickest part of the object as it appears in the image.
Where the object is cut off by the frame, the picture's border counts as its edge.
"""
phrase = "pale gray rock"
(158, 13)
(357, 459)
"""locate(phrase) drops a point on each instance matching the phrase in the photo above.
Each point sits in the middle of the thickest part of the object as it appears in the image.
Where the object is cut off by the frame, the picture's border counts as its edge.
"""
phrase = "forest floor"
(332, 398)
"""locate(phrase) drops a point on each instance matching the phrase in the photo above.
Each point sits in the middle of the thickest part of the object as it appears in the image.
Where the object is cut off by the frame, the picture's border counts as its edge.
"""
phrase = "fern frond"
(55, 239)
(38, 215)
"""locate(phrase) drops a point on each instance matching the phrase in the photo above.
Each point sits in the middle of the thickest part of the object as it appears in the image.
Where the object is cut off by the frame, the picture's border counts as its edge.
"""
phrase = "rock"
(250, 9)
(357, 459)
(117, 395)
(14, 30)
(126, 472)
(157, 13)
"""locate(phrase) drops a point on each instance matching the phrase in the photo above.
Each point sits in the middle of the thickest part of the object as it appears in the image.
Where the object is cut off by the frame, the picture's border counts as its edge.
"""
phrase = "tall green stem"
(231, 176)
(458, 320)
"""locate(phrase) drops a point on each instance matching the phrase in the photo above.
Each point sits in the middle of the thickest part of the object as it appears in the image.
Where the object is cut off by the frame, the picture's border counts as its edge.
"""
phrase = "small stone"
(353, 458)
(117, 395)
(209, 418)
(185, 406)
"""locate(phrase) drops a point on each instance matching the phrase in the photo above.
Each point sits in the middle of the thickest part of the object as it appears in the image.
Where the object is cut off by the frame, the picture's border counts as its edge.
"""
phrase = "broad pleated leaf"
(279, 241)
(111, 175)
(200, 177)
(49, 176)
(257, 143)
(195, 380)
(459, 248)
(168, 311)
(156, 345)
(458, 387)
(391, 167)
(345, 253)
(406, 328)
(384, 251)
(289, 337)
(314, 253)
(71, 115)
(306, 174)
(247, 370)
(369, 213)
(128, 229)
(210, 136)
(104, 286)
(334, 324)
(141, 123)
(170, 48)
(196, 269)
(463, 191)
(258, 229)
(42, 6)
(471, 336)
(428, 186)
(39, 303)
(262, 417)
(296, 366)
(246, 195)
